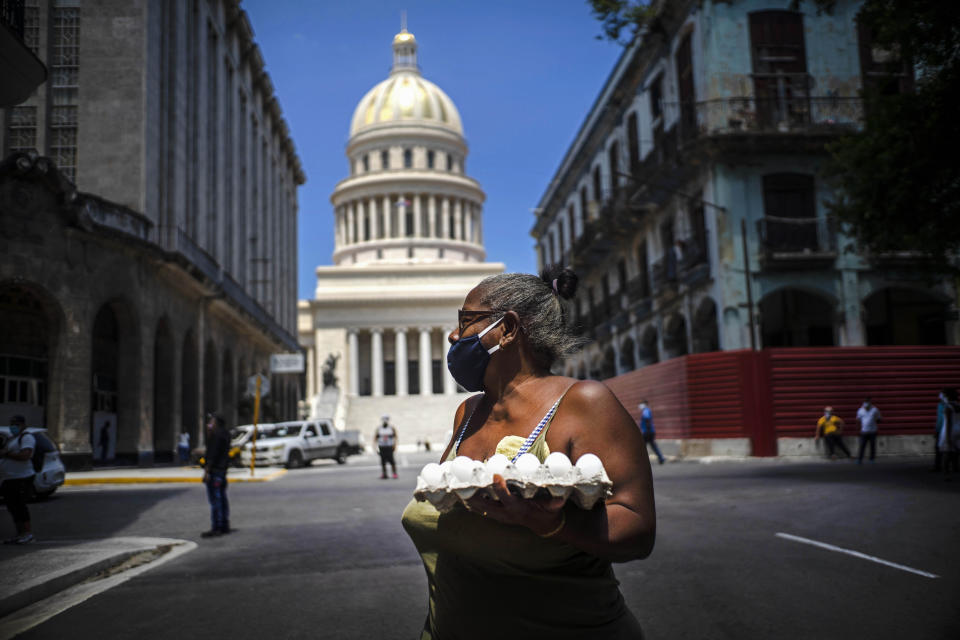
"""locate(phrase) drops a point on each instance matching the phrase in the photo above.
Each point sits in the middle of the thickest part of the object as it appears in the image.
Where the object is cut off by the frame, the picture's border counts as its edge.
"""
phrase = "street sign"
(252, 384)
(286, 363)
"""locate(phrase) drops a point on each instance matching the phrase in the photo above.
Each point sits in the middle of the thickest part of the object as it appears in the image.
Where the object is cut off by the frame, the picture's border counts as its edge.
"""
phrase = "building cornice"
(400, 180)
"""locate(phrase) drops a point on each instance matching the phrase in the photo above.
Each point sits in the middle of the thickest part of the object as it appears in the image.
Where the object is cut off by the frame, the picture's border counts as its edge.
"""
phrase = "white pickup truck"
(298, 443)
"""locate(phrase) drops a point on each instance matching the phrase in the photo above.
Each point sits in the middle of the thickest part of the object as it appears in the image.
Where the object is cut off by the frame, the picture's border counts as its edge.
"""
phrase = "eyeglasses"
(467, 318)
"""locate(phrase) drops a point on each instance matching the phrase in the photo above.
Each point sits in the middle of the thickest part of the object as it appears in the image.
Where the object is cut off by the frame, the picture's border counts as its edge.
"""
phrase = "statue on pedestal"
(329, 368)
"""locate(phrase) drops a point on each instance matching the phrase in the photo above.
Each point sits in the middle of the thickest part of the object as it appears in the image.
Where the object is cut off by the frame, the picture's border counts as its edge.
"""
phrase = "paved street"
(319, 553)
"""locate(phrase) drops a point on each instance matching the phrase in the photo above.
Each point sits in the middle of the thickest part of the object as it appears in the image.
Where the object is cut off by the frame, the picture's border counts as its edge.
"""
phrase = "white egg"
(432, 474)
(527, 465)
(558, 464)
(497, 463)
(463, 468)
(590, 465)
(447, 466)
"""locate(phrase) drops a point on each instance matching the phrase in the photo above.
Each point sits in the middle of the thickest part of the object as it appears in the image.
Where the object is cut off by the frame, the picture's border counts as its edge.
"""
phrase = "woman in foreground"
(516, 568)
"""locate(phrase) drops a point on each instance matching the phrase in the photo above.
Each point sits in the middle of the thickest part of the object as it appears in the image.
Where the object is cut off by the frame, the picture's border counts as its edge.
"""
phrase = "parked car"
(52, 472)
(300, 442)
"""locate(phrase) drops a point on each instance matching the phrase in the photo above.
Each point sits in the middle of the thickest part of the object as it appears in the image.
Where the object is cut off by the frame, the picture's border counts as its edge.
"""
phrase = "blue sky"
(523, 74)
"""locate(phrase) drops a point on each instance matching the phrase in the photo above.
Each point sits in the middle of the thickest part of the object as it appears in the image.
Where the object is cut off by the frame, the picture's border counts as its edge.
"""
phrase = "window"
(633, 143)
(384, 159)
(545, 252)
(780, 81)
(643, 277)
(449, 162)
(656, 97)
(21, 129)
(684, 62)
(883, 72)
(64, 74)
(310, 431)
(570, 224)
(407, 158)
(325, 428)
(614, 158)
(597, 186)
(622, 275)
(789, 209)
(560, 235)
(366, 162)
(605, 284)
(431, 159)
(31, 25)
(583, 205)
(553, 248)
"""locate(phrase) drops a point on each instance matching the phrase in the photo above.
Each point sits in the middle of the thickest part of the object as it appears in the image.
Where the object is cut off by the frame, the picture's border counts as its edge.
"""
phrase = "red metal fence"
(763, 395)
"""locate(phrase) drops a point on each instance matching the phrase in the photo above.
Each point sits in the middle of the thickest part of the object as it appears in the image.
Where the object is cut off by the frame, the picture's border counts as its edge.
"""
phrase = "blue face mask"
(467, 360)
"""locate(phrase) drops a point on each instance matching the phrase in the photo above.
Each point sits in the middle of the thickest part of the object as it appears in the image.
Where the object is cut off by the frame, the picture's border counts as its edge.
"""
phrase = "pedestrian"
(942, 405)
(183, 447)
(869, 416)
(386, 439)
(948, 441)
(216, 460)
(830, 427)
(646, 428)
(539, 567)
(16, 478)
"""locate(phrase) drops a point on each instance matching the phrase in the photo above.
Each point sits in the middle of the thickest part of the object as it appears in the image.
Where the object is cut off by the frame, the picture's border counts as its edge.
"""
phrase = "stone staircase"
(415, 417)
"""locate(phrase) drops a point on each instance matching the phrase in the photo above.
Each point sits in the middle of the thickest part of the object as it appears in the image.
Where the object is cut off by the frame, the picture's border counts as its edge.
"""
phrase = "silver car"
(52, 473)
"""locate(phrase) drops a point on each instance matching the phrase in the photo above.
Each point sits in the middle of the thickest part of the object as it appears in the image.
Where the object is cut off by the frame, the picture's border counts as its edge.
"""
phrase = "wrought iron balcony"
(775, 115)
(796, 242)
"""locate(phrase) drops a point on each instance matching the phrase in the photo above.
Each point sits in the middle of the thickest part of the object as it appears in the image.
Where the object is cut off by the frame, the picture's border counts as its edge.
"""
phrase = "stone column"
(458, 219)
(387, 217)
(354, 230)
(354, 349)
(400, 368)
(426, 363)
(445, 218)
(432, 216)
(853, 332)
(374, 219)
(417, 220)
(376, 360)
(449, 385)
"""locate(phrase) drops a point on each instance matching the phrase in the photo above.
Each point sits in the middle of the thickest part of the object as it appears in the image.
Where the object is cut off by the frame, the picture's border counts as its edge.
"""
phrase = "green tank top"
(487, 579)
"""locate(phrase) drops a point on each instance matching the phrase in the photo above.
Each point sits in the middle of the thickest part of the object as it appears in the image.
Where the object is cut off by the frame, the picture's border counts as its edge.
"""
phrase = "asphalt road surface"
(320, 553)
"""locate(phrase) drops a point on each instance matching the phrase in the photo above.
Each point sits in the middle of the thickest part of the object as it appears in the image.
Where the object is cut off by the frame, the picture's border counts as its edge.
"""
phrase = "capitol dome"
(407, 199)
(405, 97)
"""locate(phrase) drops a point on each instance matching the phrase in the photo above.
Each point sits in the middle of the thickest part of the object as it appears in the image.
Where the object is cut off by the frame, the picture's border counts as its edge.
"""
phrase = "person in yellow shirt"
(830, 427)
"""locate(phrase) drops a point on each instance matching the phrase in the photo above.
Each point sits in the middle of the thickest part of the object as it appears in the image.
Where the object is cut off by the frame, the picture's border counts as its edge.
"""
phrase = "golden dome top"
(406, 98)
(404, 37)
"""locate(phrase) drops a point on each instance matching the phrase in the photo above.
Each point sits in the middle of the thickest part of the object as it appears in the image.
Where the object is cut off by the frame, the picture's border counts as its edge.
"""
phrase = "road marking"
(39, 612)
(855, 554)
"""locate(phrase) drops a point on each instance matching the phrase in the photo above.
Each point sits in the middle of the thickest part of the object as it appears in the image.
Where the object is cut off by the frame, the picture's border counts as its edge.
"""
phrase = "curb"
(55, 585)
(78, 481)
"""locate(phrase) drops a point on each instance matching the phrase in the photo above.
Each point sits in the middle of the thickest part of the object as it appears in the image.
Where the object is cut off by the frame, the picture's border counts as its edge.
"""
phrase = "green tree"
(897, 180)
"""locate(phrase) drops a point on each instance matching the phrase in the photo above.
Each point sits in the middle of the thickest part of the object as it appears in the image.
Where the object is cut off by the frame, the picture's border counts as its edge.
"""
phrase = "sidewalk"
(160, 475)
(32, 573)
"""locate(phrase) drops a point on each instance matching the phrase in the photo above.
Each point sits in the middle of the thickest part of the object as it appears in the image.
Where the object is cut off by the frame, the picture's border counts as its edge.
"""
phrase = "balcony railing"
(773, 115)
(797, 239)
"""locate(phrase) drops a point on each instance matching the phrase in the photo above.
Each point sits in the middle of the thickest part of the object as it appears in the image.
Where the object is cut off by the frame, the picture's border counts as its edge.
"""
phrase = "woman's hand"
(540, 515)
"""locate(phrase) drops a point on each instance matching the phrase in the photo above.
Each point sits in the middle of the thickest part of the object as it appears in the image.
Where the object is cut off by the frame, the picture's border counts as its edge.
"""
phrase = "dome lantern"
(405, 52)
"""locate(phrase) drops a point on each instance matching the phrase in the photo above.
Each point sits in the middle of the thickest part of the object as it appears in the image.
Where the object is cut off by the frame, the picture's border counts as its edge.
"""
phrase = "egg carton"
(454, 481)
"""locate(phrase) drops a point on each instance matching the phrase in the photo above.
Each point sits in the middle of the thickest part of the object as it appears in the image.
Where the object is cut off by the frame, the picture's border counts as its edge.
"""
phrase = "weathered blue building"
(693, 202)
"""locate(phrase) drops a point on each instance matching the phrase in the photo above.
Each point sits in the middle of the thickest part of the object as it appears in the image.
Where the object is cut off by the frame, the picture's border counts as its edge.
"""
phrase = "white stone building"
(408, 248)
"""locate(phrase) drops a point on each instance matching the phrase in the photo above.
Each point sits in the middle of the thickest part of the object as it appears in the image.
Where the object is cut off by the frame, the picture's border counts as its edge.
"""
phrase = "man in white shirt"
(16, 478)
(386, 439)
(869, 416)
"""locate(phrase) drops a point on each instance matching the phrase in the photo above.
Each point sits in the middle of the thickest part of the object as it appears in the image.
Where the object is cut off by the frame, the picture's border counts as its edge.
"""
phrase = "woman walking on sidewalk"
(16, 476)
